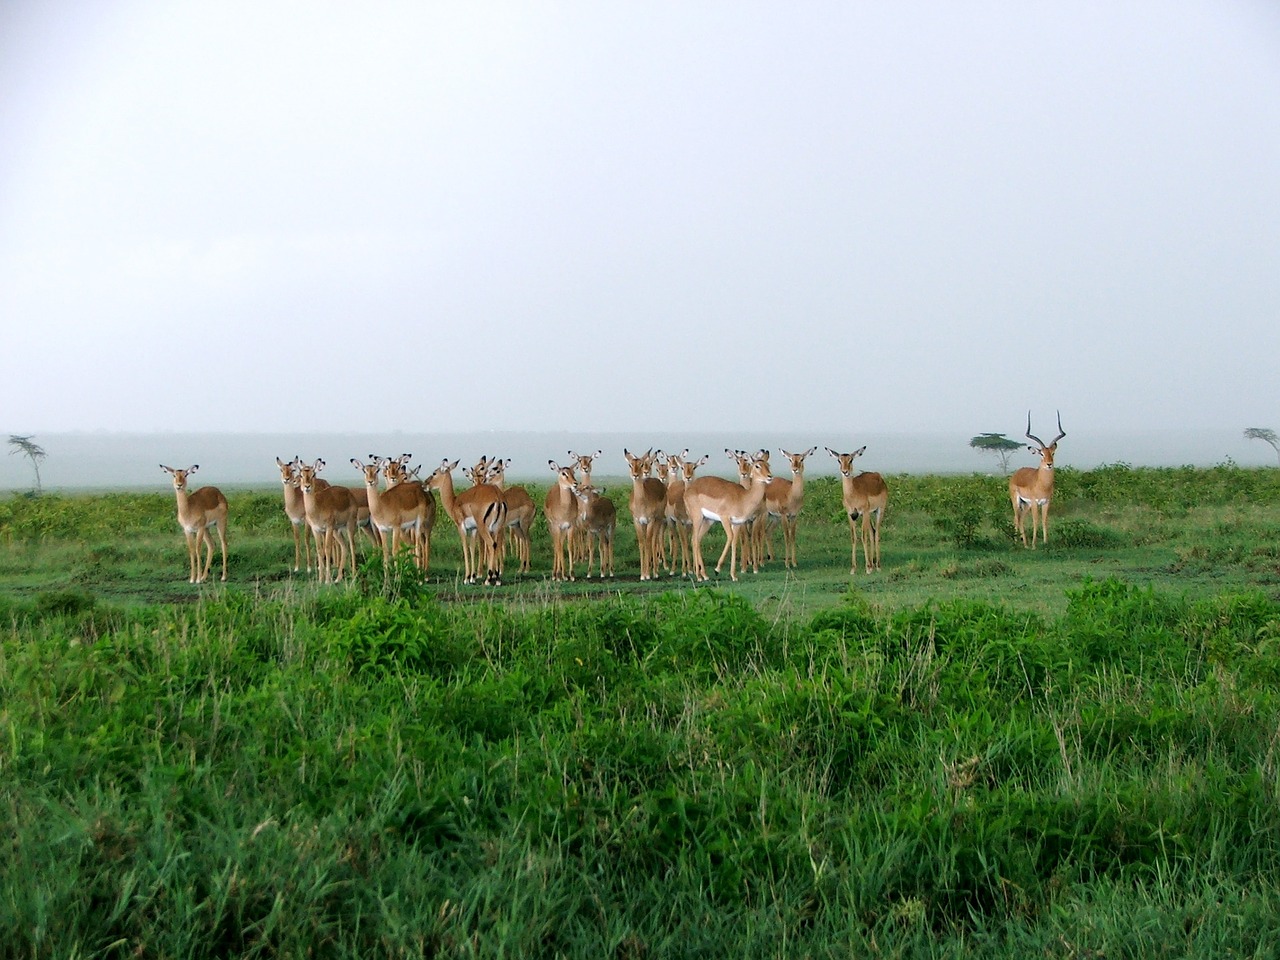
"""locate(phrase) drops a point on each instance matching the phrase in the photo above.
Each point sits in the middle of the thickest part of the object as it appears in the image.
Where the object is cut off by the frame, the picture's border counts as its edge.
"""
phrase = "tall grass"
(353, 775)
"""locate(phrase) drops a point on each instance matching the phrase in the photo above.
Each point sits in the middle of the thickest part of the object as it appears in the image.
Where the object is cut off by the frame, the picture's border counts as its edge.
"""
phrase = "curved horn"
(1061, 433)
(1031, 436)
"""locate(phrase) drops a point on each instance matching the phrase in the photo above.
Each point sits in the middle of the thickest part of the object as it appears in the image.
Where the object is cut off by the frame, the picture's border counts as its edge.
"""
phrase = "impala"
(865, 499)
(648, 511)
(296, 511)
(520, 511)
(197, 512)
(479, 513)
(660, 466)
(582, 465)
(681, 470)
(753, 541)
(331, 514)
(397, 472)
(403, 510)
(598, 520)
(783, 502)
(716, 500)
(1031, 488)
(561, 508)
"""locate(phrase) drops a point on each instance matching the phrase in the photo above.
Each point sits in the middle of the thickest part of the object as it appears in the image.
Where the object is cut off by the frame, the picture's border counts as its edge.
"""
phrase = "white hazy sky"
(855, 215)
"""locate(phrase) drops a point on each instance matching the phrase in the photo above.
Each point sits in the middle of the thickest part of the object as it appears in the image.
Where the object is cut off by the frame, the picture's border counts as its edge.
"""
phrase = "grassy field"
(978, 751)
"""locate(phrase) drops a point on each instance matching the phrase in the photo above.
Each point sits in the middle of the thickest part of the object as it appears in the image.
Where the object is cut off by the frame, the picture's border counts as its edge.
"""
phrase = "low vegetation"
(980, 750)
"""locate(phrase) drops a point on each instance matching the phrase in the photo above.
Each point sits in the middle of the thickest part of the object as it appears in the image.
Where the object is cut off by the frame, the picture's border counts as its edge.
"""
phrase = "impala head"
(439, 473)
(307, 475)
(180, 476)
(845, 460)
(639, 464)
(564, 475)
(370, 469)
(583, 461)
(393, 471)
(797, 459)
(687, 466)
(1045, 451)
(288, 471)
(758, 470)
(498, 470)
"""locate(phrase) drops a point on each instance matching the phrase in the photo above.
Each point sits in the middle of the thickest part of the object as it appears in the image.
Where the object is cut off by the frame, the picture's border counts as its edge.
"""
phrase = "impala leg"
(853, 544)
(222, 539)
(695, 537)
(193, 554)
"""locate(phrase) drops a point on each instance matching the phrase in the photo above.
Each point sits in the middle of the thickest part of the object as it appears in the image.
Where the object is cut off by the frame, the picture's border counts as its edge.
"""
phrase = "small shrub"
(1073, 533)
(961, 509)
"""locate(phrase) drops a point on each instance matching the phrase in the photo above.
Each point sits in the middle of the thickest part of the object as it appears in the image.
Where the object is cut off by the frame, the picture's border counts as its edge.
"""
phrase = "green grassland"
(979, 750)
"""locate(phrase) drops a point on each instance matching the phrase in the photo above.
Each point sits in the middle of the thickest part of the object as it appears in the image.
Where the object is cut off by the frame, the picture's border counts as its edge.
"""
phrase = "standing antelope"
(331, 514)
(582, 464)
(783, 503)
(561, 508)
(598, 520)
(520, 512)
(402, 511)
(397, 473)
(1031, 488)
(716, 500)
(296, 511)
(753, 541)
(865, 499)
(480, 514)
(197, 512)
(677, 517)
(648, 511)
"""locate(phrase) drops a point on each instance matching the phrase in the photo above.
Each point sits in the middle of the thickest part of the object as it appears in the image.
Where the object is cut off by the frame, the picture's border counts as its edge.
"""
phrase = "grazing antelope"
(865, 499)
(331, 514)
(1031, 488)
(648, 510)
(598, 520)
(197, 512)
(716, 500)
(562, 509)
(480, 514)
(402, 511)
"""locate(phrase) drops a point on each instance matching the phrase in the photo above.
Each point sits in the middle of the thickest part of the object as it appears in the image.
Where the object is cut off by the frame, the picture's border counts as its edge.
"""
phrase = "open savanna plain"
(979, 750)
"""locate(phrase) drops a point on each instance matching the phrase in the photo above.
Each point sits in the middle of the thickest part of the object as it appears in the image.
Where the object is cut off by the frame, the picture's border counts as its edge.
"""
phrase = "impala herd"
(671, 509)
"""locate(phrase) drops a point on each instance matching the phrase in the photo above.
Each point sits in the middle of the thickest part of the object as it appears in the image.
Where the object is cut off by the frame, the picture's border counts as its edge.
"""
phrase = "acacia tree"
(1266, 434)
(998, 444)
(29, 449)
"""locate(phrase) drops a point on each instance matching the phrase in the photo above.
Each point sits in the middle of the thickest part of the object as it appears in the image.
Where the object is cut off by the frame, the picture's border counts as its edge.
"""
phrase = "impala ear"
(193, 468)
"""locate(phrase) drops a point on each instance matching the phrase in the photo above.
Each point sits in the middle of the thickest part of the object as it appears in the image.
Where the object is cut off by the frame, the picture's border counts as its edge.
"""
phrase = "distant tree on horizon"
(29, 449)
(998, 444)
(1265, 434)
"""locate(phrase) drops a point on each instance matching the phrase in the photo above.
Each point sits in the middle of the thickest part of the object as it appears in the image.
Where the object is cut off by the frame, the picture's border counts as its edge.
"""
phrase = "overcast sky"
(914, 216)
